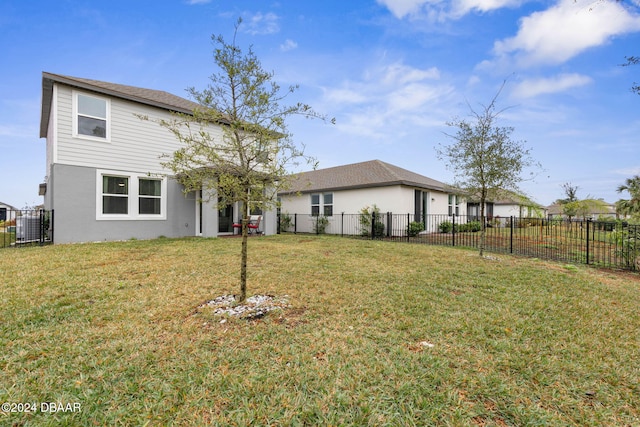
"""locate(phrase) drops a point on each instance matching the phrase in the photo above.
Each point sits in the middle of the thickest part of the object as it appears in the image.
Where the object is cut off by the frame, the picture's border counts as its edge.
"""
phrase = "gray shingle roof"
(156, 98)
(374, 173)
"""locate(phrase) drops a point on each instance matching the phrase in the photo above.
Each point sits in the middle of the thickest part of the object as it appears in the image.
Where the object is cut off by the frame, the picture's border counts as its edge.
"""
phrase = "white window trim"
(133, 197)
(321, 203)
(74, 103)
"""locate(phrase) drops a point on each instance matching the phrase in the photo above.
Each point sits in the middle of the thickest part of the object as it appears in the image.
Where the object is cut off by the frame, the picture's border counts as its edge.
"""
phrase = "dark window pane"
(115, 185)
(315, 210)
(149, 187)
(315, 199)
(328, 210)
(328, 199)
(92, 127)
(115, 205)
(149, 206)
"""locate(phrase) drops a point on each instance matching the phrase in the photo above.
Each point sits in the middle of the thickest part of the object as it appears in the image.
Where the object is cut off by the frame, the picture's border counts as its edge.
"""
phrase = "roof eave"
(86, 86)
(361, 186)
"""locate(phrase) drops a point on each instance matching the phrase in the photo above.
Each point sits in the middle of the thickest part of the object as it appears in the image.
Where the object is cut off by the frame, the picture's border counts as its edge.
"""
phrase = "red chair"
(253, 227)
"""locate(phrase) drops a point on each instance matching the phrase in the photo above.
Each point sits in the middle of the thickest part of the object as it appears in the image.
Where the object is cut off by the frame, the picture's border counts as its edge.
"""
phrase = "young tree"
(631, 206)
(485, 160)
(248, 161)
(569, 206)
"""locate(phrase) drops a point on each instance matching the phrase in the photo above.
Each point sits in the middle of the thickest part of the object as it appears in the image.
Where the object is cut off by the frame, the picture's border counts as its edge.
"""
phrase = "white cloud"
(344, 96)
(439, 9)
(628, 171)
(402, 8)
(399, 73)
(288, 45)
(260, 24)
(563, 31)
(388, 99)
(462, 7)
(533, 87)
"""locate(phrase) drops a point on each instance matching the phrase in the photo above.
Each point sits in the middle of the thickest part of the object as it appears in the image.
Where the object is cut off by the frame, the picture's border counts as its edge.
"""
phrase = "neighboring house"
(350, 188)
(511, 205)
(606, 212)
(104, 177)
(7, 212)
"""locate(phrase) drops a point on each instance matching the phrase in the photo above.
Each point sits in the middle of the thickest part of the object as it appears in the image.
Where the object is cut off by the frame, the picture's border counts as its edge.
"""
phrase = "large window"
(128, 196)
(322, 203)
(92, 115)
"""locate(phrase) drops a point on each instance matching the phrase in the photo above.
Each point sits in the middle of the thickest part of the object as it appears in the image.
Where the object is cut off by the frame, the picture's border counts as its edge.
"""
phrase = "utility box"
(28, 228)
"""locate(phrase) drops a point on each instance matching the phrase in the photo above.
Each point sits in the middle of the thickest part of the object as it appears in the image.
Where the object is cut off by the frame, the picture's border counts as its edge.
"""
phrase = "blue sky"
(392, 73)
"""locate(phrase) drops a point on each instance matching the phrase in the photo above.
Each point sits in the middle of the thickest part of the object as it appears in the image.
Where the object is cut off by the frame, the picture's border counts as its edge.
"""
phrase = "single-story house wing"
(349, 188)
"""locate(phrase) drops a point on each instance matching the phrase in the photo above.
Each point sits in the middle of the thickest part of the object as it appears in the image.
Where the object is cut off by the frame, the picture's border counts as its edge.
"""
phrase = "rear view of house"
(104, 177)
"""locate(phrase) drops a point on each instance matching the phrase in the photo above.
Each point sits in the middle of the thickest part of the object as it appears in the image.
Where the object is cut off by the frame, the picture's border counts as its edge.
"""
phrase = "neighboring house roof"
(554, 209)
(7, 206)
(374, 173)
(608, 209)
(155, 98)
(512, 198)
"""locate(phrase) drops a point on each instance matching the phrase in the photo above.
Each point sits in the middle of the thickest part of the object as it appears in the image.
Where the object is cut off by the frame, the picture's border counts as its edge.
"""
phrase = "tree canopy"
(236, 146)
(485, 161)
(631, 206)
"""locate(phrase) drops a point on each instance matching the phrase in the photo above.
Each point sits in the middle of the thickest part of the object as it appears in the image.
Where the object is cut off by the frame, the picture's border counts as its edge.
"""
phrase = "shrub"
(627, 242)
(445, 227)
(366, 216)
(415, 228)
(285, 222)
(320, 224)
(472, 226)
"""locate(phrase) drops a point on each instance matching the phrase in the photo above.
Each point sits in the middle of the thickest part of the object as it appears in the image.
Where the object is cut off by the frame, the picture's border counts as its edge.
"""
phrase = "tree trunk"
(243, 259)
(483, 229)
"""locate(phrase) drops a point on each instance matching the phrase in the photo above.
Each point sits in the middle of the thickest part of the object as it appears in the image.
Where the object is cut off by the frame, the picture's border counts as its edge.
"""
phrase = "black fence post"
(389, 223)
(342, 225)
(295, 223)
(588, 227)
(41, 231)
(51, 225)
(373, 224)
(408, 227)
(453, 230)
(511, 234)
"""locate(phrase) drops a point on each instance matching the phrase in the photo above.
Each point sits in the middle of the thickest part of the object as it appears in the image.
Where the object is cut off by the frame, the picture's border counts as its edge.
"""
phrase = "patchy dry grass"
(116, 327)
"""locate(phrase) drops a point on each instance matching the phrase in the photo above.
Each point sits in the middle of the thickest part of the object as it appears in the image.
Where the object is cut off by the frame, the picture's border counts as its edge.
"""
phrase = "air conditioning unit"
(28, 228)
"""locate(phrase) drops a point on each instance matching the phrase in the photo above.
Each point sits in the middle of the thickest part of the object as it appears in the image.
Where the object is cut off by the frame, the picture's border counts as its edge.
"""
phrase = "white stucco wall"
(398, 200)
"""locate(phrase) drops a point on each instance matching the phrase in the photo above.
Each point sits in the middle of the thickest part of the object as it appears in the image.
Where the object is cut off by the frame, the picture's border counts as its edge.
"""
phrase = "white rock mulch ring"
(254, 307)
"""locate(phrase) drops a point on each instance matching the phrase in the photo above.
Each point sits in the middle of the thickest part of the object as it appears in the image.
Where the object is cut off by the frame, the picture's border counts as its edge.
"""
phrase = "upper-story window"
(92, 116)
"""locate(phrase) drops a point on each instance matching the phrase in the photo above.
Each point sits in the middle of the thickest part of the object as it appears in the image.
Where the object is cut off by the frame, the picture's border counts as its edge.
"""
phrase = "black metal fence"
(25, 227)
(614, 244)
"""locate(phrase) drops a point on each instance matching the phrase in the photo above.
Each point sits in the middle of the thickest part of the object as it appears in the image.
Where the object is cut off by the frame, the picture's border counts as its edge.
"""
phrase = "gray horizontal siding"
(135, 145)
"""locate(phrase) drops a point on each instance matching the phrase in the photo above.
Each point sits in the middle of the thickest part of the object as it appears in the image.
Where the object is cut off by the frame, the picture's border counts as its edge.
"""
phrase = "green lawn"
(116, 328)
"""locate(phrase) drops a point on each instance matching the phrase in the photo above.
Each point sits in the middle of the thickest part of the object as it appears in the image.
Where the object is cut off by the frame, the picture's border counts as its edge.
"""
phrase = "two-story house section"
(104, 173)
